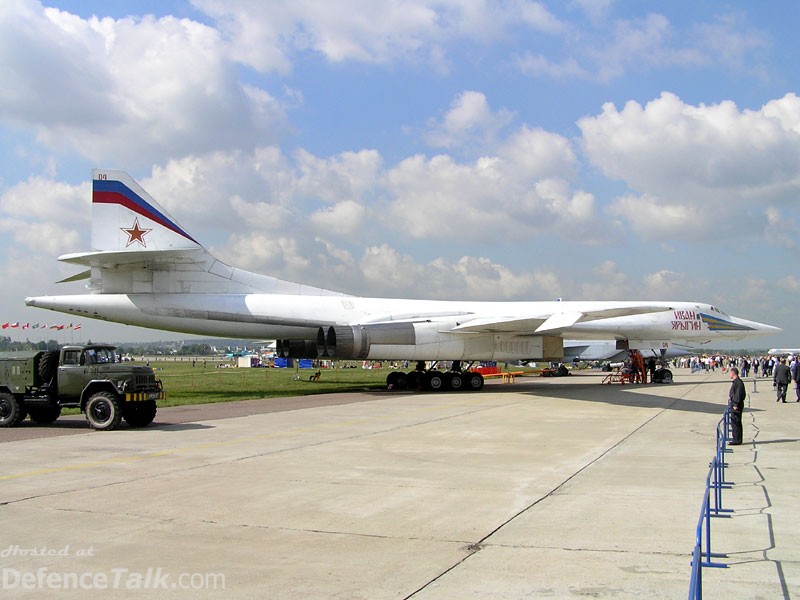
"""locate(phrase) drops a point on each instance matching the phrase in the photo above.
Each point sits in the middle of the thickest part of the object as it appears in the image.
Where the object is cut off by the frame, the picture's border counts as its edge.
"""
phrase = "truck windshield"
(100, 355)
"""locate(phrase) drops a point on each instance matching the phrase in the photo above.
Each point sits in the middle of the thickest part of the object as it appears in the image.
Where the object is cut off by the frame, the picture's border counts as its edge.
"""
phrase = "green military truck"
(92, 378)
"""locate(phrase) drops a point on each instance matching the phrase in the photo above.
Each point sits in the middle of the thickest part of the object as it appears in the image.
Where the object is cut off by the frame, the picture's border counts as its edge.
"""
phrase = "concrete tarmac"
(545, 488)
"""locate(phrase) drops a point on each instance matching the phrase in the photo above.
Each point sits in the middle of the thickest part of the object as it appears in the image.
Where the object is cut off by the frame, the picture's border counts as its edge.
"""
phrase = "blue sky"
(438, 149)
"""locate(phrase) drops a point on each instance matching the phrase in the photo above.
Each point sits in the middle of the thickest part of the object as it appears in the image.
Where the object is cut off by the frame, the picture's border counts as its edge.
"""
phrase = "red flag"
(26, 325)
(78, 326)
(5, 325)
(15, 325)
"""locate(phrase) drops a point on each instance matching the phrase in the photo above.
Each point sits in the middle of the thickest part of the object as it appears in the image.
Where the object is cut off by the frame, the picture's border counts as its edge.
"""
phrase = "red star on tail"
(136, 233)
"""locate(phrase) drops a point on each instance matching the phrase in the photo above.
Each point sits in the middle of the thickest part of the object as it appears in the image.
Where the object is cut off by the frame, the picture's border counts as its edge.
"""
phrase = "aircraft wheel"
(474, 381)
(103, 412)
(664, 377)
(456, 382)
(414, 380)
(434, 381)
(391, 380)
(447, 377)
(402, 381)
(396, 380)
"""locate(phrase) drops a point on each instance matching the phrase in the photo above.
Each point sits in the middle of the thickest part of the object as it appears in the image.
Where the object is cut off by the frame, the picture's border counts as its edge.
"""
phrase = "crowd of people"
(748, 366)
(783, 370)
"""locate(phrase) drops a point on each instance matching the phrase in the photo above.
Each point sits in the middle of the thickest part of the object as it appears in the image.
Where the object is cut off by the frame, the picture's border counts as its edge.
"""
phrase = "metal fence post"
(715, 479)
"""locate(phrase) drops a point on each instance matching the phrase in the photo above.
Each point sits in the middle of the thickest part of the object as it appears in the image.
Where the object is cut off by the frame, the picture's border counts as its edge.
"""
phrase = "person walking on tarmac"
(795, 370)
(651, 368)
(736, 398)
(781, 379)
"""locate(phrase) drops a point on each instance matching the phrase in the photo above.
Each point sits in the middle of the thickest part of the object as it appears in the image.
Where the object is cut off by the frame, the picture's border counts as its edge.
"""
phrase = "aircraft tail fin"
(126, 218)
(138, 248)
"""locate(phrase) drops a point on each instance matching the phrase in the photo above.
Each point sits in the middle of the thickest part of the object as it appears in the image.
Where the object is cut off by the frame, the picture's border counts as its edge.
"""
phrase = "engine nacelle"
(432, 341)
(296, 348)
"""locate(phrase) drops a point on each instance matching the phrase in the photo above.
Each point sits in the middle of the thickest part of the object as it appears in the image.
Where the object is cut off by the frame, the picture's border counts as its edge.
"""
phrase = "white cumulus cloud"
(116, 90)
(696, 168)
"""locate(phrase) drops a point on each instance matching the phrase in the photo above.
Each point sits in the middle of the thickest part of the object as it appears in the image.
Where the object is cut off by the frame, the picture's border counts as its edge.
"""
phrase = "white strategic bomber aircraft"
(146, 270)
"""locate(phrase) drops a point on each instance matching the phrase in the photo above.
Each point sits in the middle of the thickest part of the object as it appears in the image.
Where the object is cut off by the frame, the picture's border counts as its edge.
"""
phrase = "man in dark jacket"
(736, 403)
(781, 378)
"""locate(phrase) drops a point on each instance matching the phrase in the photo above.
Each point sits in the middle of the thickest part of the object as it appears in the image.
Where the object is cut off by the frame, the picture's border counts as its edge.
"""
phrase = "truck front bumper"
(145, 396)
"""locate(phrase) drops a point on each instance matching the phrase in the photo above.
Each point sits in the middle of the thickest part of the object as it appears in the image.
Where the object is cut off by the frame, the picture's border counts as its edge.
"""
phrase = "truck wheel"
(47, 366)
(140, 414)
(11, 413)
(45, 415)
(103, 412)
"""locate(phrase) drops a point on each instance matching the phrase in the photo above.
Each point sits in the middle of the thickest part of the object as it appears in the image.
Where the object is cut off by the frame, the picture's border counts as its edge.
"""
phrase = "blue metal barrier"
(715, 480)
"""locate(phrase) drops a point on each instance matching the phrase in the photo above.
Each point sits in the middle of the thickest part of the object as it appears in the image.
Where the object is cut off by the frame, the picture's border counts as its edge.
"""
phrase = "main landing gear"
(432, 380)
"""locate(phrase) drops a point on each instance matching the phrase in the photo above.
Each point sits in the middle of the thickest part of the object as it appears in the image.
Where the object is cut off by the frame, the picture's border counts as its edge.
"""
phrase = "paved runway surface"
(546, 488)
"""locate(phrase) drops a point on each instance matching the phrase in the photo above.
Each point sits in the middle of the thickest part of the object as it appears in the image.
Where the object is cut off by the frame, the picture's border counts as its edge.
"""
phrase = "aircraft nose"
(760, 328)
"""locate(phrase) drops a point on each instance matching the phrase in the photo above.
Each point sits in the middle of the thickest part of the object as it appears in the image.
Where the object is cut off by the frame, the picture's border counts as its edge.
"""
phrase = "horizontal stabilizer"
(77, 277)
(110, 258)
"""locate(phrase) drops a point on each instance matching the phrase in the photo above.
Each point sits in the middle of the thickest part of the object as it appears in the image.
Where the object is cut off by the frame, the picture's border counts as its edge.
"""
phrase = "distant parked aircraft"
(613, 350)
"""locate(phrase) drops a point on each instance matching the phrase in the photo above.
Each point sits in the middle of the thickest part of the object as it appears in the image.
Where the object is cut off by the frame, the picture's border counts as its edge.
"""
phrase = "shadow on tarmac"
(783, 441)
(626, 395)
(181, 418)
(156, 426)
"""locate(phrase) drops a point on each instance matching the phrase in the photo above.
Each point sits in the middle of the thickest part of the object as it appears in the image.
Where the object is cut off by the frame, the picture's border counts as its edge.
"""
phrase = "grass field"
(187, 384)
(200, 381)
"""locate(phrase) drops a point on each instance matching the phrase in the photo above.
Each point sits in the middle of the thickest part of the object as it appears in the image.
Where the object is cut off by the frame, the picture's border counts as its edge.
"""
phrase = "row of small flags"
(18, 325)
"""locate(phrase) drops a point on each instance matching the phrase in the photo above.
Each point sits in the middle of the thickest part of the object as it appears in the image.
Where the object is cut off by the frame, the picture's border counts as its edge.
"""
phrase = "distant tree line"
(196, 350)
(167, 348)
(149, 349)
(6, 345)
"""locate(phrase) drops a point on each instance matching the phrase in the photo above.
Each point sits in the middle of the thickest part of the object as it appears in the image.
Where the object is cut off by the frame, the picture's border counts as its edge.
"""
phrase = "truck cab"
(78, 365)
